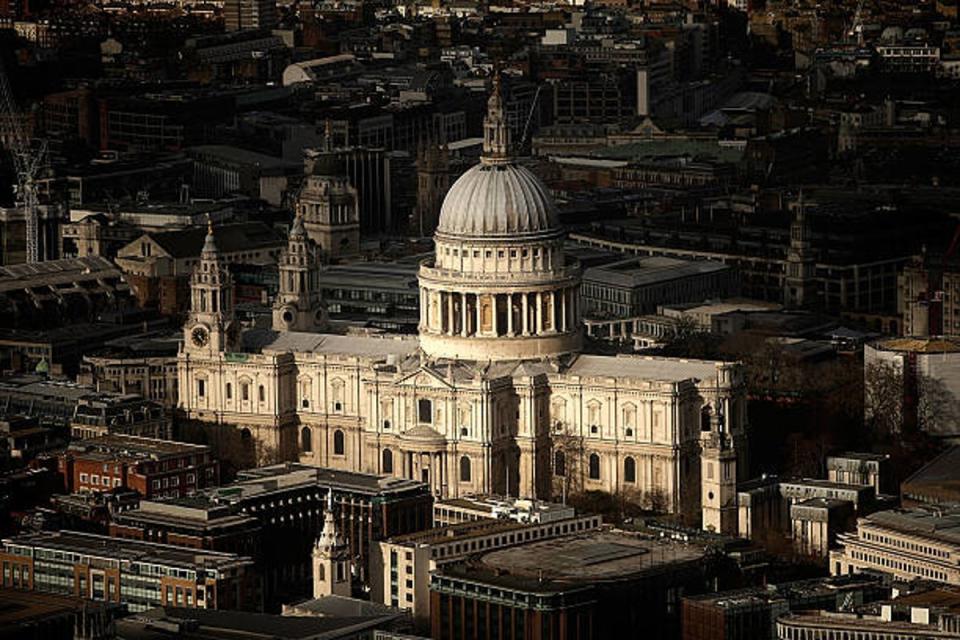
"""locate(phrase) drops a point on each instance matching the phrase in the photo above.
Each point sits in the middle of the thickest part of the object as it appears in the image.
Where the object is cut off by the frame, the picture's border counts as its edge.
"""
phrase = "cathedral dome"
(497, 199)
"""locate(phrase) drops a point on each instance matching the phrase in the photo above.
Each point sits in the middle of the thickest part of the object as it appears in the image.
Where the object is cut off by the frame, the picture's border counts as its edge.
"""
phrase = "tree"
(937, 407)
(883, 395)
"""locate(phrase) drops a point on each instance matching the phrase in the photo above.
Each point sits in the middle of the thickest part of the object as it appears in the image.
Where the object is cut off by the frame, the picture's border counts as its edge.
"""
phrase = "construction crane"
(28, 163)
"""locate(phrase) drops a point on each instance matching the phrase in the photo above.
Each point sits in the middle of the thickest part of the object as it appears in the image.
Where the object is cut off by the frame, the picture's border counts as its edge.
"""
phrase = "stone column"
(463, 315)
(476, 302)
(451, 315)
(539, 322)
(509, 314)
(550, 315)
(563, 310)
(526, 313)
(424, 308)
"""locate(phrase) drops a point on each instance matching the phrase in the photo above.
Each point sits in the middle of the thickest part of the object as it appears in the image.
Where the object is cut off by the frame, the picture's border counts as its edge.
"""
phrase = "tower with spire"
(211, 326)
(331, 558)
(718, 473)
(299, 306)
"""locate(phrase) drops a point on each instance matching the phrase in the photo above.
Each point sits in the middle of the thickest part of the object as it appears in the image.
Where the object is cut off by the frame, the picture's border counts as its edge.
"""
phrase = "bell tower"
(718, 474)
(329, 204)
(331, 559)
(211, 326)
(298, 306)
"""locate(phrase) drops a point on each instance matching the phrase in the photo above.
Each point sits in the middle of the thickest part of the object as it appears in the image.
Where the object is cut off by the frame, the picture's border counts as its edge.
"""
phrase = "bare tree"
(937, 407)
(883, 395)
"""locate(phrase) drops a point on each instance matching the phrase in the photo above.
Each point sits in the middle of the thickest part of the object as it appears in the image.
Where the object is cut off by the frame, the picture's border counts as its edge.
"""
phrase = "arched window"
(594, 466)
(629, 470)
(244, 391)
(559, 463)
(464, 469)
(387, 461)
(306, 440)
(338, 447)
(320, 572)
(425, 411)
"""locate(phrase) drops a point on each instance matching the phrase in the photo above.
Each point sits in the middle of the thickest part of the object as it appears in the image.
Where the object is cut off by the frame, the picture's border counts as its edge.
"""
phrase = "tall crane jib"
(29, 161)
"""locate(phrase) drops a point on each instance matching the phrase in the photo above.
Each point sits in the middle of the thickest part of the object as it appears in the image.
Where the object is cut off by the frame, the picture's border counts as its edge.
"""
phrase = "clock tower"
(211, 326)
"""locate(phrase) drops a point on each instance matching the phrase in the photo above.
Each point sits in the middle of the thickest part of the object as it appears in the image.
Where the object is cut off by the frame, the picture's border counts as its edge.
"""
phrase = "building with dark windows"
(82, 410)
(598, 584)
(195, 522)
(401, 568)
(140, 575)
(288, 501)
(154, 468)
(751, 614)
(637, 286)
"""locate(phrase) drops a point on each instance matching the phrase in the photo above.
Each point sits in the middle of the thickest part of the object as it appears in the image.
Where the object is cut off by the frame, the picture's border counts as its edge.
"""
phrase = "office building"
(401, 569)
(596, 584)
(140, 575)
(908, 544)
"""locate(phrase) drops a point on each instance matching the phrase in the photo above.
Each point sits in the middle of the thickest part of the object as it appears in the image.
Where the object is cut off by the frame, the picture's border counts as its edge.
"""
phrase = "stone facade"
(494, 396)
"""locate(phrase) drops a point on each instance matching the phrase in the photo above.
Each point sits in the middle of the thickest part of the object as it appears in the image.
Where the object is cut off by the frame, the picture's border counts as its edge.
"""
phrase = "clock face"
(199, 336)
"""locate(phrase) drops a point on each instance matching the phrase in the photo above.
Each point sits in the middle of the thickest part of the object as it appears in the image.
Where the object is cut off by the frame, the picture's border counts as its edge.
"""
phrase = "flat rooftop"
(118, 549)
(643, 367)
(118, 446)
(798, 590)
(281, 477)
(857, 455)
(919, 345)
(328, 344)
(640, 272)
(934, 524)
(459, 532)
(210, 624)
(824, 484)
(243, 156)
(202, 514)
(592, 556)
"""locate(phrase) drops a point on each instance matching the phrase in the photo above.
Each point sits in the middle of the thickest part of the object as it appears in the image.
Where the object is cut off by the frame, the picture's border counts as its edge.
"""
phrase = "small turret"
(331, 558)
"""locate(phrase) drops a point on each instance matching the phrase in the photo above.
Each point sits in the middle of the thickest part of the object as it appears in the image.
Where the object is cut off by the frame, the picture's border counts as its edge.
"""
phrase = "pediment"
(425, 377)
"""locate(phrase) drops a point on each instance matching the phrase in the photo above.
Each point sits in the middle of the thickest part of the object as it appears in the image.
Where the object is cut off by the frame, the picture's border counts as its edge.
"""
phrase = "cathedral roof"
(497, 199)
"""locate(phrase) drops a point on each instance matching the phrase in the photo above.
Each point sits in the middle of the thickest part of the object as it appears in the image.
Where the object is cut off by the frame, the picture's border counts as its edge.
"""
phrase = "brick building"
(154, 468)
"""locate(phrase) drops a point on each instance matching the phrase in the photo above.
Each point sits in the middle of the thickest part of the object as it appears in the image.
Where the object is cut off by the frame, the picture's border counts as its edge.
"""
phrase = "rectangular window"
(201, 388)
